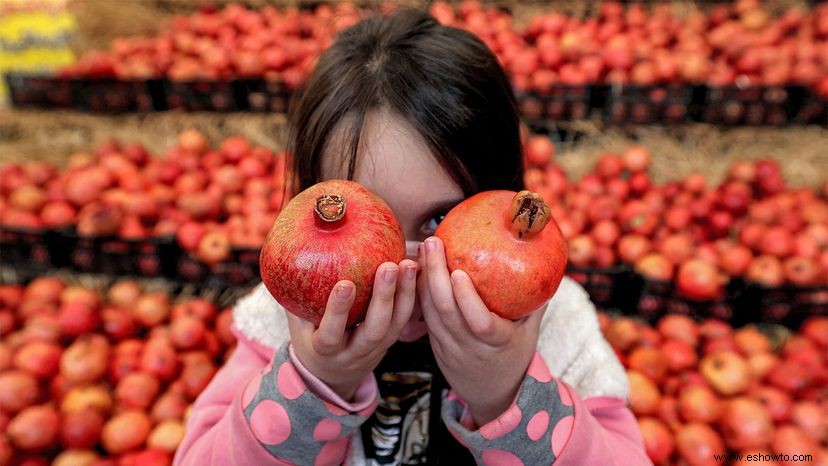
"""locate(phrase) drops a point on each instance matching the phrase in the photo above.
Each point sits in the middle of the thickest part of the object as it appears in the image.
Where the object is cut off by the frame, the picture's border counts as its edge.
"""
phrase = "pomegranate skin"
(513, 273)
(303, 257)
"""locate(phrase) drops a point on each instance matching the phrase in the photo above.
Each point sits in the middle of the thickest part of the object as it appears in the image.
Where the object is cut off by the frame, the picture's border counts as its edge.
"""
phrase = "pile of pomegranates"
(209, 199)
(699, 388)
(92, 377)
(738, 43)
(697, 236)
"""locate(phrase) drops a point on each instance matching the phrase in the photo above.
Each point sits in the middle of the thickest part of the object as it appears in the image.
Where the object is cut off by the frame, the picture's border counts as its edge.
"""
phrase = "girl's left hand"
(483, 356)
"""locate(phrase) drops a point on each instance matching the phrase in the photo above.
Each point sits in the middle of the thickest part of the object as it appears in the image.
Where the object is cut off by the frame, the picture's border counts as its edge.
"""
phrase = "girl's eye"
(430, 226)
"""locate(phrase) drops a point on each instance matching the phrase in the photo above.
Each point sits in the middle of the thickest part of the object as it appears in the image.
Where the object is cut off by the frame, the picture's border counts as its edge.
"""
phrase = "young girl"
(424, 116)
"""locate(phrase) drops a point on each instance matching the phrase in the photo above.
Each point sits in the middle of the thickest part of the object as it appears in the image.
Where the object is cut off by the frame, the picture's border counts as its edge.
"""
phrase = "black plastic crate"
(756, 105)
(110, 95)
(25, 248)
(812, 108)
(608, 288)
(241, 269)
(644, 104)
(149, 257)
(787, 305)
(558, 103)
(264, 95)
(40, 91)
(203, 95)
(659, 298)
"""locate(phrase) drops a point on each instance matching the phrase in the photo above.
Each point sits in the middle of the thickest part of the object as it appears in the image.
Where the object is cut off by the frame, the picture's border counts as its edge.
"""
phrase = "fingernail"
(343, 291)
(430, 245)
(390, 275)
(410, 272)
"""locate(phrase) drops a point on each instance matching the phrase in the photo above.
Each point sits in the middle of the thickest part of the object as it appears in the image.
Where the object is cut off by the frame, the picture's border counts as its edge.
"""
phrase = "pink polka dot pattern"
(270, 423)
(537, 426)
(560, 434)
(494, 457)
(332, 453)
(290, 384)
(538, 369)
(504, 424)
(251, 390)
(327, 429)
(566, 397)
(334, 409)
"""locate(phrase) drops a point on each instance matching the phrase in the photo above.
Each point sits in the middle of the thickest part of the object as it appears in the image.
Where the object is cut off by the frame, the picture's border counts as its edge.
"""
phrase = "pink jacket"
(267, 409)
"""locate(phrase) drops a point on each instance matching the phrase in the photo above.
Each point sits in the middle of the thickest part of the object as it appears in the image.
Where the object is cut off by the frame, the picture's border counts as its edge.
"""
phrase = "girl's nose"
(411, 248)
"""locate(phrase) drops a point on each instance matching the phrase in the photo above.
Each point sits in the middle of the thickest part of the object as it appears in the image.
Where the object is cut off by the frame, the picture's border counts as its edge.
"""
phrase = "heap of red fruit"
(705, 388)
(83, 373)
(699, 236)
(738, 43)
(210, 199)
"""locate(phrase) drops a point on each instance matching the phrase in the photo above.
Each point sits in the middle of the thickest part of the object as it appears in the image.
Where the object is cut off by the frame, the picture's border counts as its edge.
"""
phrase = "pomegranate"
(81, 429)
(658, 440)
(18, 390)
(746, 424)
(698, 280)
(126, 431)
(524, 249)
(335, 230)
(727, 372)
(699, 404)
(697, 443)
(644, 394)
(34, 428)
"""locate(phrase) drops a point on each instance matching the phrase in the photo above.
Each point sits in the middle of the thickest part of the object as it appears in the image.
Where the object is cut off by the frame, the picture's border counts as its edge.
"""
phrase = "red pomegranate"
(524, 249)
(335, 230)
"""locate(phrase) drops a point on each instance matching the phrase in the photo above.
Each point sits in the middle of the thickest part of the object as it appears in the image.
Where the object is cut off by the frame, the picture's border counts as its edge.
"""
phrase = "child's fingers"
(373, 330)
(330, 336)
(439, 285)
(404, 298)
(485, 325)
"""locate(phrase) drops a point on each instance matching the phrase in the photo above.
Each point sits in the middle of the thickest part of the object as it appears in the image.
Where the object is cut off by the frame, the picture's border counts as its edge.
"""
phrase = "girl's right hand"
(342, 357)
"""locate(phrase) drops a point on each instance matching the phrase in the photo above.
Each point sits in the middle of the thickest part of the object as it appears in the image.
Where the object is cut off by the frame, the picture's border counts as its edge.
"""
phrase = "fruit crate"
(658, 298)
(608, 288)
(241, 269)
(31, 248)
(755, 105)
(40, 91)
(204, 95)
(787, 305)
(263, 95)
(812, 108)
(559, 103)
(110, 95)
(644, 104)
(148, 257)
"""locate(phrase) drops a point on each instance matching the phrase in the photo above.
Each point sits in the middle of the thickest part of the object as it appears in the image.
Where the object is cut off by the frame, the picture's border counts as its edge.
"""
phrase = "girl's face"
(395, 163)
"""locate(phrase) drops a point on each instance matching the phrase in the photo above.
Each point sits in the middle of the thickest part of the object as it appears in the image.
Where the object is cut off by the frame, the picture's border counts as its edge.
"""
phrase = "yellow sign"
(35, 36)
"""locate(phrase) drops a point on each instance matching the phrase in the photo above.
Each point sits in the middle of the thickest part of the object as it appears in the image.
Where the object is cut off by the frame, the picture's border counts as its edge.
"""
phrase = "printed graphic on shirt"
(399, 426)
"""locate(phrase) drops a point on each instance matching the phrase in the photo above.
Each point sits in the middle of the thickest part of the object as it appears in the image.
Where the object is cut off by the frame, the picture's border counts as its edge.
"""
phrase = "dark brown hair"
(444, 81)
